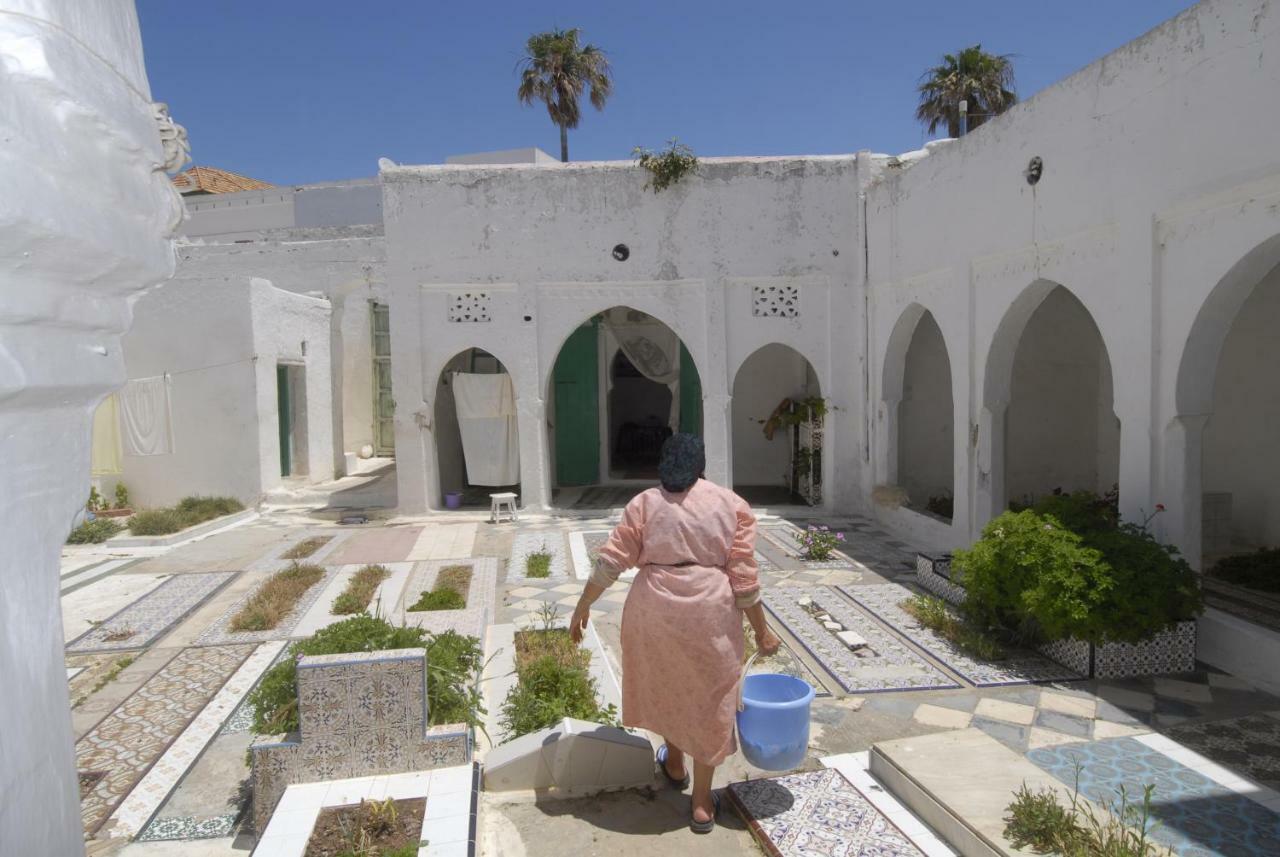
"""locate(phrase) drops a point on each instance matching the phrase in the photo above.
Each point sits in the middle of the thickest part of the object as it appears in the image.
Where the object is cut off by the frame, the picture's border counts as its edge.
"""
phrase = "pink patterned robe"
(682, 643)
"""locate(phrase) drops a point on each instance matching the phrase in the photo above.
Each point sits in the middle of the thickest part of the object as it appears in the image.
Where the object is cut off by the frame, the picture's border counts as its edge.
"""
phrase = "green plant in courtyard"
(935, 614)
(122, 496)
(438, 599)
(359, 591)
(454, 663)
(94, 532)
(553, 682)
(276, 598)
(1039, 822)
(538, 563)
(95, 503)
(1259, 570)
(668, 166)
(189, 512)
(819, 543)
(556, 70)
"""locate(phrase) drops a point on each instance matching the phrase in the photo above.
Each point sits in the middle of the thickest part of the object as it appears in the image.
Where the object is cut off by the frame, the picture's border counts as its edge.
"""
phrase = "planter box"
(128, 540)
(934, 574)
(1171, 651)
(113, 513)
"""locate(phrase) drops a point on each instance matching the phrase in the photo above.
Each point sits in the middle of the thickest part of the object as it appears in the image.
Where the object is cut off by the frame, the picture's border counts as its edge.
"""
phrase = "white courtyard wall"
(199, 334)
(1158, 209)
(86, 212)
(292, 329)
(535, 242)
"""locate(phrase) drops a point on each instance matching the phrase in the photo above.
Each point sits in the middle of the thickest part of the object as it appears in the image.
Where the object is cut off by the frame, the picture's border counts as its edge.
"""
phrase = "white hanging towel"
(486, 407)
(145, 418)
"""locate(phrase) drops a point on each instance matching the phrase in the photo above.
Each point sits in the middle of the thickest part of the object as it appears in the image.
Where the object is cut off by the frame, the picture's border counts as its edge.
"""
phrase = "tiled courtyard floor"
(180, 680)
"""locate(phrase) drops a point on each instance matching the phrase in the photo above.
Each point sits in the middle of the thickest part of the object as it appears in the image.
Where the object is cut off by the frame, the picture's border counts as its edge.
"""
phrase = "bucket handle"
(742, 680)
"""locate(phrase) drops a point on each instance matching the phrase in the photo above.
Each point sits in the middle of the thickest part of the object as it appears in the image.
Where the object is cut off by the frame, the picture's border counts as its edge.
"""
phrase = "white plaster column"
(535, 455)
(718, 436)
(1182, 497)
(886, 446)
(86, 212)
(989, 488)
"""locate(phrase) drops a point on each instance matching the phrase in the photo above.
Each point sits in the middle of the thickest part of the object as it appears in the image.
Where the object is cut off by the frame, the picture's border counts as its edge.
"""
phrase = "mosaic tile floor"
(142, 622)
(882, 600)
(1197, 816)
(890, 665)
(133, 737)
(785, 537)
(1248, 745)
(817, 813)
(551, 541)
(219, 633)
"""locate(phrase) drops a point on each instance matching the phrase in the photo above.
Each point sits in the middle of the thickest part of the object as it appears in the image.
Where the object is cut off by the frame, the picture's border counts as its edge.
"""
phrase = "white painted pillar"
(717, 435)
(886, 449)
(535, 455)
(1180, 523)
(86, 212)
(989, 488)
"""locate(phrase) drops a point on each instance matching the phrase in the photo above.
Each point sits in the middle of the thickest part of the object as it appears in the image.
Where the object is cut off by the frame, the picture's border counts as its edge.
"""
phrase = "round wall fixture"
(621, 252)
(1034, 170)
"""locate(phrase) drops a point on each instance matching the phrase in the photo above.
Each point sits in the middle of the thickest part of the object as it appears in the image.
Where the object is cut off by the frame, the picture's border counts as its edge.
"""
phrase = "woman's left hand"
(578, 622)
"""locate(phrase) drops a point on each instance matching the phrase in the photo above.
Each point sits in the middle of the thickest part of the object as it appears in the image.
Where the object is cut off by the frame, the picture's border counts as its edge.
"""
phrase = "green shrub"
(1153, 587)
(453, 666)
(94, 532)
(548, 690)
(156, 522)
(122, 496)
(1259, 570)
(538, 564)
(189, 512)
(200, 509)
(1081, 512)
(359, 592)
(439, 599)
(934, 613)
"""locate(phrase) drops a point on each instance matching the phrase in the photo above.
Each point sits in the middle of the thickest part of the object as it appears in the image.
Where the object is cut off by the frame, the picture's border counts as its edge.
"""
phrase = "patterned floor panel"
(143, 621)
(817, 813)
(1196, 816)
(1247, 745)
(132, 738)
(786, 537)
(526, 543)
(219, 633)
(885, 665)
(1019, 668)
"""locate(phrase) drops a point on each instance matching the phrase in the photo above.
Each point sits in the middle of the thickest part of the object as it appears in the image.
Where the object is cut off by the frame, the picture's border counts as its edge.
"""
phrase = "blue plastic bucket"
(773, 720)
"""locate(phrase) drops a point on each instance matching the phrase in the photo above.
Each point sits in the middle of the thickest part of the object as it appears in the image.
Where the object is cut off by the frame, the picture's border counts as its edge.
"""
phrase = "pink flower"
(1159, 507)
(840, 536)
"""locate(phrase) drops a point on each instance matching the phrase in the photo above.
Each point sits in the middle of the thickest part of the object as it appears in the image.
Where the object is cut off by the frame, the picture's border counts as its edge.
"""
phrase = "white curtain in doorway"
(145, 417)
(486, 407)
(652, 347)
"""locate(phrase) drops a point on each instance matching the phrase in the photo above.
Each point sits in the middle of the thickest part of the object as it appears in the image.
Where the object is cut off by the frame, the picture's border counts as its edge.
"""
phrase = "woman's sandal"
(710, 824)
(661, 756)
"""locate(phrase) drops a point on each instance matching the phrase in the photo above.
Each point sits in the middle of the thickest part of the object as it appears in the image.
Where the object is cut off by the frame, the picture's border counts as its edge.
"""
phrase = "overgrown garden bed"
(553, 681)
(452, 584)
(371, 828)
(306, 547)
(359, 591)
(189, 512)
(276, 598)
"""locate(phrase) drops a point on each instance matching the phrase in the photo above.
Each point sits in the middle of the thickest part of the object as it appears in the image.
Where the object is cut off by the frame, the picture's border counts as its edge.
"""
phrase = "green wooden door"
(384, 405)
(285, 413)
(577, 426)
(690, 395)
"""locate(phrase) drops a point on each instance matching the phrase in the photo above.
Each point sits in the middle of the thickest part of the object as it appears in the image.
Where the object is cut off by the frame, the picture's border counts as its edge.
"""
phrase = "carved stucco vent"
(469, 307)
(775, 301)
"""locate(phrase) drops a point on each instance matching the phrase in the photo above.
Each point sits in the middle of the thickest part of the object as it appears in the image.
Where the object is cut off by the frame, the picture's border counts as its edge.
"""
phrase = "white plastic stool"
(497, 501)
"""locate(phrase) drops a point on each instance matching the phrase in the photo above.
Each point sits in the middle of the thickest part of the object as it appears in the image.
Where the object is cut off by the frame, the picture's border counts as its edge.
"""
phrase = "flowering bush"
(819, 542)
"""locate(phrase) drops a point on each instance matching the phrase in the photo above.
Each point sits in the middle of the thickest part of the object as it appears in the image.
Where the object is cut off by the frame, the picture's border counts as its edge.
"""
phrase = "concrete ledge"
(574, 757)
(959, 783)
(1240, 647)
(123, 541)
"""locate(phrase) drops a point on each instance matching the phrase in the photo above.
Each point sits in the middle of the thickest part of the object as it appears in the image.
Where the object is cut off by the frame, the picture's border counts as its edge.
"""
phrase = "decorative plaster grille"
(467, 307)
(775, 301)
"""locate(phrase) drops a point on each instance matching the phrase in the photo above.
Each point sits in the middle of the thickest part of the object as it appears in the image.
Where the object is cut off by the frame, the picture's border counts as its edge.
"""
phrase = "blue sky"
(293, 91)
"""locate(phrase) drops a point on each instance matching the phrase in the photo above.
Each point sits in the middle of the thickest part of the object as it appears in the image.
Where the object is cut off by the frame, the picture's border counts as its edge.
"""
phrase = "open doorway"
(778, 413)
(291, 410)
(623, 382)
(476, 432)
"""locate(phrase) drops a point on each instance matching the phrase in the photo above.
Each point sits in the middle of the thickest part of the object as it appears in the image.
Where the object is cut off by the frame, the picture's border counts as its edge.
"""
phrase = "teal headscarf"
(683, 460)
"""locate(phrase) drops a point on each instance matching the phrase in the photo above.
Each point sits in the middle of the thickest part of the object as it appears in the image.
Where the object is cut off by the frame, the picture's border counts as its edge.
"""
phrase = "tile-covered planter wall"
(361, 714)
(1171, 651)
(934, 574)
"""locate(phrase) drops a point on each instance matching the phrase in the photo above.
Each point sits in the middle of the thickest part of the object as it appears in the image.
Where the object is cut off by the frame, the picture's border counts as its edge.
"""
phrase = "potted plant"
(121, 509)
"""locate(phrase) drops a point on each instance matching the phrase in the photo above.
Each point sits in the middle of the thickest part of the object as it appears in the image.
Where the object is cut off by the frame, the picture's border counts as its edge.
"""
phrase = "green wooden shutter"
(690, 395)
(285, 414)
(577, 426)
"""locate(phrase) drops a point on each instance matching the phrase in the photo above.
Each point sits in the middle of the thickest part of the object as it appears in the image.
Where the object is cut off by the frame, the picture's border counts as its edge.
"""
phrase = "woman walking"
(682, 641)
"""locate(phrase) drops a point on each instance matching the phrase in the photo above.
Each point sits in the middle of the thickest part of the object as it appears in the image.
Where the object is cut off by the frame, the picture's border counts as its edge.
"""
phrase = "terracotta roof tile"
(214, 180)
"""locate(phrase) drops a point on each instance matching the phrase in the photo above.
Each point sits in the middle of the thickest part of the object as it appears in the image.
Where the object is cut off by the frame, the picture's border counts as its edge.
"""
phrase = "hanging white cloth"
(145, 417)
(652, 347)
(486, 406)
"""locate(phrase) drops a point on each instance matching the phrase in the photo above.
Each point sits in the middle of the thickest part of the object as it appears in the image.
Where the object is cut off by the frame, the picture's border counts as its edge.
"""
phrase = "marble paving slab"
(817, 813)
(153, 614)
(219, 633)
(882, 600)
(382, 545)
(136, 734)
(143, 801)
(443, 541)
(891, 665)
(102, 598)
(552, 541)
(1197, 817)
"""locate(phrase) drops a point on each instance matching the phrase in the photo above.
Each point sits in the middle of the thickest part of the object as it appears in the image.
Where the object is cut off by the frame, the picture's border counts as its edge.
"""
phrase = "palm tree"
(556, 71)
(973, 75)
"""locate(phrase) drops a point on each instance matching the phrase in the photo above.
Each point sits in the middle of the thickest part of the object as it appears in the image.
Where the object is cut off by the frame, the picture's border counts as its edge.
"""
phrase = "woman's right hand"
(768, 642)
(578, 622)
